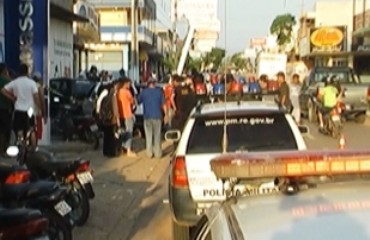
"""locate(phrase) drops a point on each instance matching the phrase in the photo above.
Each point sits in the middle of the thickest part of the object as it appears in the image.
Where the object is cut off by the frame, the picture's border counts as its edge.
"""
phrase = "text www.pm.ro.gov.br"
(233, 121)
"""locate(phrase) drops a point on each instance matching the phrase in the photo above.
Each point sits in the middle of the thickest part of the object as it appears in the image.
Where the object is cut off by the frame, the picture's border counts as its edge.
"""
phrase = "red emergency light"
(291, 164)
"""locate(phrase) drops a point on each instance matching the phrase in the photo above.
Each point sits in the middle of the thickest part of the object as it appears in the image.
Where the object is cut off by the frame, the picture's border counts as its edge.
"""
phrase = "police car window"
(257, 132)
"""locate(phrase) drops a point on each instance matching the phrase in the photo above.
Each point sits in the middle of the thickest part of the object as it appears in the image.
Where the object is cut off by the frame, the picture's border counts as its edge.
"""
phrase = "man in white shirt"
(24, 92)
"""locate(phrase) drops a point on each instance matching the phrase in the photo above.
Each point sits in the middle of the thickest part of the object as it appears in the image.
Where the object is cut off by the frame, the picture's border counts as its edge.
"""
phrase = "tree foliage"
(282, 27)
(214, 58)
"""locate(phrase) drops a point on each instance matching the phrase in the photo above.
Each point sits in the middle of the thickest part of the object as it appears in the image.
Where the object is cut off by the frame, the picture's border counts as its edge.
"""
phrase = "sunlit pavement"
(154, 222)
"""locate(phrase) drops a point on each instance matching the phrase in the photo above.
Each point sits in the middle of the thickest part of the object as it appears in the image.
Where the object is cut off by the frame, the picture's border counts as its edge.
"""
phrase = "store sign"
(328, 39)
(26, 33)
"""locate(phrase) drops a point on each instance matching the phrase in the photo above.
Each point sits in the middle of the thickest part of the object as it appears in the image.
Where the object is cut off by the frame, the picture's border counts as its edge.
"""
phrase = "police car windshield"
(330, 211)
(246, 132)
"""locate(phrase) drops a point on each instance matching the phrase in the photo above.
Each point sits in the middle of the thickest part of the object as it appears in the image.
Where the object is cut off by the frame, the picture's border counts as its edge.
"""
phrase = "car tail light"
(28, 229)
(18, 177)
(180, 177)
(84, 167)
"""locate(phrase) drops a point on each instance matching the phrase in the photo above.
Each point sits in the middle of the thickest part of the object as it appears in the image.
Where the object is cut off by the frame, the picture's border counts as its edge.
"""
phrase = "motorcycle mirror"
(12, 151)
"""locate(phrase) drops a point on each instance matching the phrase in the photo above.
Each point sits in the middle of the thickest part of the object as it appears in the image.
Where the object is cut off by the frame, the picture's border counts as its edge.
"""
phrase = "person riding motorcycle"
(328, 97)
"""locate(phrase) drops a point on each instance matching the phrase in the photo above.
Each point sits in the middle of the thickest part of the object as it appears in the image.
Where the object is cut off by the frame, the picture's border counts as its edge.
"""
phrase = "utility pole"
(134, 70)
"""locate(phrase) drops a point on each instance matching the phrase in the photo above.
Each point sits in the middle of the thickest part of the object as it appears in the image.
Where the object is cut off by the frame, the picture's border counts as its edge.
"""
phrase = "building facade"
(113, 52)
(325, 35)
(203, 16)
(84, 33)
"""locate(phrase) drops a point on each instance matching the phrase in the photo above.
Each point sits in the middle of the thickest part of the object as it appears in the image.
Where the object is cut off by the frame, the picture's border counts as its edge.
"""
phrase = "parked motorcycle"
(23, 224)
(73, 123)
(76, 175)
(17, 191)
(333, 124)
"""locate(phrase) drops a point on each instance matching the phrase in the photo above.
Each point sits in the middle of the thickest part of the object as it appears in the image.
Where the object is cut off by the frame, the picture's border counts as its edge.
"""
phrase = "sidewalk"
(120, 185)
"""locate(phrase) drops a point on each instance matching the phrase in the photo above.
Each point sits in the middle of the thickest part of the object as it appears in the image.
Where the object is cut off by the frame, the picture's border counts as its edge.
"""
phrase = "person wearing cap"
(41, 118)
(284, 92)
(154, 105)
(6, 107)
(126, 104)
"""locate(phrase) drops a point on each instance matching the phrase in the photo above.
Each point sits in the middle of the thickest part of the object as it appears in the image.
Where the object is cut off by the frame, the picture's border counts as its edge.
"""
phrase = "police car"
(250, 126)
(297, 195)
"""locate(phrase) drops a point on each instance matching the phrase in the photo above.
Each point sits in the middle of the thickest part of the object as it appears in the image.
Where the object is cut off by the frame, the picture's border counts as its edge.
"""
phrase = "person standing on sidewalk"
(43, 117)
(154, 106)
(23, 91)
(126, 103)
(6, 107)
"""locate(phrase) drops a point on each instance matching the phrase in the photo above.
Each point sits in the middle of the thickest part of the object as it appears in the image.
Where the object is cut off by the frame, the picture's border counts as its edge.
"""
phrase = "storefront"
(361, 44)
(328, 46)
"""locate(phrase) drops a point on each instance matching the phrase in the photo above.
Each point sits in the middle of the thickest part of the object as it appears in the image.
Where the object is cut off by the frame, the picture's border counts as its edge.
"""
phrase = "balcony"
(123, 34)
(148, 4)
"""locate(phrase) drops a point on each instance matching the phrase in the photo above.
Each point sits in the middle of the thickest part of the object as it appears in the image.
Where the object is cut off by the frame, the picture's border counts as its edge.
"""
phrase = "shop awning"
(361, 32)
(329, 54)
(64, 14)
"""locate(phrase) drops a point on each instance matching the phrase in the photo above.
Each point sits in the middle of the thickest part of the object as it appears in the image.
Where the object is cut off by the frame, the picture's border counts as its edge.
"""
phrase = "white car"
(251, 126)
(313, 196)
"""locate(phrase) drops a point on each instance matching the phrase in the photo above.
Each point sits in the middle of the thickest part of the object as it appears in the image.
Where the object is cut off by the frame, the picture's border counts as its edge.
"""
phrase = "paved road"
(154, 223)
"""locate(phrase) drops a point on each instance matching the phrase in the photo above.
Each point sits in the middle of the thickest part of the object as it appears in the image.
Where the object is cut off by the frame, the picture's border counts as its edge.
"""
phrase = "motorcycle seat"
(63, 167)
(10, 217)
(24, 191)
(48, 164)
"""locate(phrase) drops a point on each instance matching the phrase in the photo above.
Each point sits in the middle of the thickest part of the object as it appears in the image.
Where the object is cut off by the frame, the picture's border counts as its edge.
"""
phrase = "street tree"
(282, 27)
(213, 58)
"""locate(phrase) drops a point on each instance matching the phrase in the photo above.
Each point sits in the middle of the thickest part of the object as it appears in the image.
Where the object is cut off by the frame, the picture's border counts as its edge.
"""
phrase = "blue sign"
(26, 34)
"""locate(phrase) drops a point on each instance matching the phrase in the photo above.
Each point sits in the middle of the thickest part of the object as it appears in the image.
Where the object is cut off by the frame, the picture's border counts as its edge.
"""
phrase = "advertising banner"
(26, 34)
(328, 39)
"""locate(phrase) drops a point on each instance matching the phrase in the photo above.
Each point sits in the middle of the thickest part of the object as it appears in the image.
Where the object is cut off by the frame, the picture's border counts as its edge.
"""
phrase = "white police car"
(313, 196)
(251, 126)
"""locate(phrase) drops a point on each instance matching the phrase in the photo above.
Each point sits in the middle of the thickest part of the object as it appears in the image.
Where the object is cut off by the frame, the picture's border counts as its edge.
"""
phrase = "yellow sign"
(327, 37)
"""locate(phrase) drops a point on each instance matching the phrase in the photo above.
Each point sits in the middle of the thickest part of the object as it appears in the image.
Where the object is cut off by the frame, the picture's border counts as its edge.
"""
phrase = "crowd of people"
(22, 103)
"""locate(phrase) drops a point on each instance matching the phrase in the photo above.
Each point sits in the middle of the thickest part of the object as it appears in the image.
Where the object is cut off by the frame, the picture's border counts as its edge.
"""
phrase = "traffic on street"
(184, 120)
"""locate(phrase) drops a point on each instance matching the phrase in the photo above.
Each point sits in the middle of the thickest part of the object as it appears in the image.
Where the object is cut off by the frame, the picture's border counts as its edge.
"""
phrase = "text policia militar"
(235, 121)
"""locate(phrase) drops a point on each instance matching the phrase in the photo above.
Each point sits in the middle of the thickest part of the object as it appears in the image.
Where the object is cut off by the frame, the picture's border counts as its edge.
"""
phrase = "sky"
(246, 19)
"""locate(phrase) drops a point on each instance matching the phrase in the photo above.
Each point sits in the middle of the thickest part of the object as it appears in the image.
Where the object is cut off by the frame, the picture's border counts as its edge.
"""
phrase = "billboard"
(328, 39)
(26, 34)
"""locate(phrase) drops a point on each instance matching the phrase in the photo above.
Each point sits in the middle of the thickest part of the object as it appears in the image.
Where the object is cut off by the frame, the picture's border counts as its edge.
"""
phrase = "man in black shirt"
(284, 93)
(185, 101)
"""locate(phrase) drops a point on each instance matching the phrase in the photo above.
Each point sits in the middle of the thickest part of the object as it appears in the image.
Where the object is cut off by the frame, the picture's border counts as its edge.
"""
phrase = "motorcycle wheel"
(92, 138)
(59, 229)
(80, 204)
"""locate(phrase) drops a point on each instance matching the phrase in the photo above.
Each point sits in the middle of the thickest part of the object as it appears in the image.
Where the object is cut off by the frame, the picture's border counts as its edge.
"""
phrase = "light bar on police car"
(291, 164)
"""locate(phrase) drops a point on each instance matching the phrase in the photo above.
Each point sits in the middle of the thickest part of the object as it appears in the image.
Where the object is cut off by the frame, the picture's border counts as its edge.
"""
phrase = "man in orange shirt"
(126, 105)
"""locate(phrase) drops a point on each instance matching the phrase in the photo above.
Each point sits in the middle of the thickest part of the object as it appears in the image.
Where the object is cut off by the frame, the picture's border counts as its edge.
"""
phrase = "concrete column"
(125, 57)
(86, 60)
(79, 61)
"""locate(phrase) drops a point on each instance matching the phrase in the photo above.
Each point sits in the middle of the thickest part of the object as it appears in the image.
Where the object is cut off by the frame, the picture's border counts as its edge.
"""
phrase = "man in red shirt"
(126, 104)
(169, 95)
